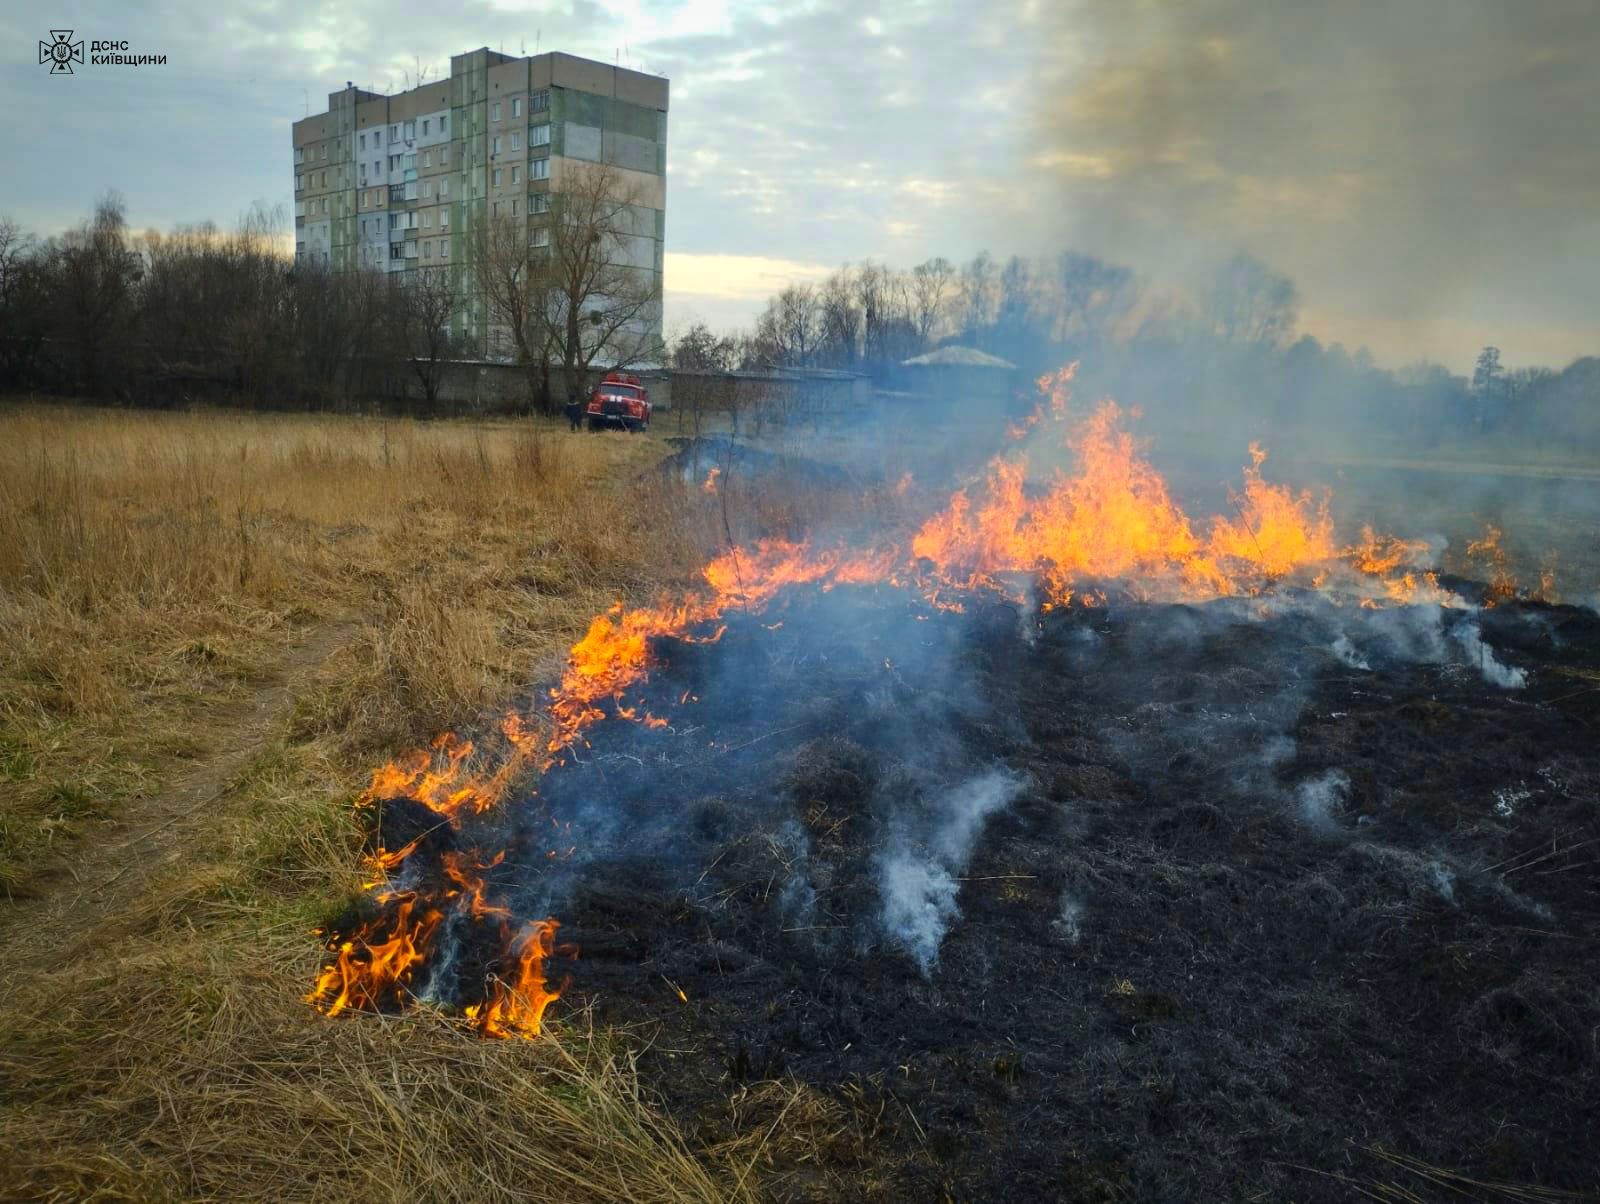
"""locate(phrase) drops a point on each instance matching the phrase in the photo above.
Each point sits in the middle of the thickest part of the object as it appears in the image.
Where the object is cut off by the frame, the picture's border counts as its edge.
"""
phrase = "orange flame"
(1111, 519)
(374, 968)
(517, 1001)
(1487, 551)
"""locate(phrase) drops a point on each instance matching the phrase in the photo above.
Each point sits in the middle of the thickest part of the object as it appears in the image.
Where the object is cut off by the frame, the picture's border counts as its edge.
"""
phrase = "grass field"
(216, 625)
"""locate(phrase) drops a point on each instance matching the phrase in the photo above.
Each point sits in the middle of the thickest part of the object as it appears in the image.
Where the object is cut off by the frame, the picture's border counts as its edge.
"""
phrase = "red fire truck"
(619, 400)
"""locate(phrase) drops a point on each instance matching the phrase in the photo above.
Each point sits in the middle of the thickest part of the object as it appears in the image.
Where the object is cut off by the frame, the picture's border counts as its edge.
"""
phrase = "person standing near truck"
(574, 409)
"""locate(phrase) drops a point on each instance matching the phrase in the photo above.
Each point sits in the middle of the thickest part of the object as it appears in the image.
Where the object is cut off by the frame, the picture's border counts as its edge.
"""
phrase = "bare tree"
(930, 288)
(1249, 302)
(97, 277)
(975, 296)
(840, 316)
(420, 308)
(597, 296)
(24, 303)
(1092, 294)
(698, 349)
(513, 278)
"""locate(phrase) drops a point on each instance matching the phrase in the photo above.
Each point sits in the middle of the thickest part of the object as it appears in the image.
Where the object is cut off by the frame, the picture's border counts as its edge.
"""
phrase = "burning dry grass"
(158, 575)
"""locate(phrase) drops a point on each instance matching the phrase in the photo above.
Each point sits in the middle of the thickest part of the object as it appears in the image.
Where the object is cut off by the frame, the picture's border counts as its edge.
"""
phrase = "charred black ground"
(1248, 913)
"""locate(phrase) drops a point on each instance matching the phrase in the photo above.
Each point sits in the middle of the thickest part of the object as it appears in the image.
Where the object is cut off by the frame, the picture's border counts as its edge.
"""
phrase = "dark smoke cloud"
(1427, 171)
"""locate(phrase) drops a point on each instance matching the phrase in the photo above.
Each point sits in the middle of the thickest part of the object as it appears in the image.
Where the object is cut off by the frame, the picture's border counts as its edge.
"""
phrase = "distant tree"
(96, 276)
(597, 300)
(1092, 295)
(421, 305)
(565, 290)
(975, 297)
(24, 303)
(699, 349)
(839, 313)
(1249, 302)
(930, 287)
(1486, 373)
(788, 330)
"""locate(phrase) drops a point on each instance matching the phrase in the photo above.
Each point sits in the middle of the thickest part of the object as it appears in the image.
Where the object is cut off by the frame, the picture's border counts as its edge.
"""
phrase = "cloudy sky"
(1427, 170)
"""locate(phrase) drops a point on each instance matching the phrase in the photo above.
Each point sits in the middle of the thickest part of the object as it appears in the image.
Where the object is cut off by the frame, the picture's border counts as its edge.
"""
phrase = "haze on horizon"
(1425, 172)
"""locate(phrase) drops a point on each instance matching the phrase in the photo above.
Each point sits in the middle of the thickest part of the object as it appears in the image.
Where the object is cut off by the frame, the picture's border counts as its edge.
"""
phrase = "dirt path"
(107, 871)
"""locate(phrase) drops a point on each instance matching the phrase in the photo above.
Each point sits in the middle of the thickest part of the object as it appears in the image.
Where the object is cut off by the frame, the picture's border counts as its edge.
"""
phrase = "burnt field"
(1240, 898)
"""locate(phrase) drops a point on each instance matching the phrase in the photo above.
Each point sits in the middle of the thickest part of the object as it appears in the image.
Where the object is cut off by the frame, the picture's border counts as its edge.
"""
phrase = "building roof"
(959, 357)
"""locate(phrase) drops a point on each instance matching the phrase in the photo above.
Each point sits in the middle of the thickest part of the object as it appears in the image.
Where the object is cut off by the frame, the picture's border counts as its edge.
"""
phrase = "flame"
(518, 1000)
(1110, 521)
(372, 970)
(1277, 530)
(1487, 551)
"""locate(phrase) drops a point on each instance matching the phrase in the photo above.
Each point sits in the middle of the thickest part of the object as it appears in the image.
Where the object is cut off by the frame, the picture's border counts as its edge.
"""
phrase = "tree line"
(1226, 349)
(104, 312)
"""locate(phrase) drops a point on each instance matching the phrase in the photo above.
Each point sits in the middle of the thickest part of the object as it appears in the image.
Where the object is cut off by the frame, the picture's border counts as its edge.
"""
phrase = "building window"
(427, 250)
(427, 219)
(496, 116)
(496, 180)
(299, 154)
(424, 127)
(427, 158)
(444, 219)
(324, 150)
(299, 183)
(361, 141)
(444, 248)
(539, 202)
(539, 169)
(494, 147)
(300, 247)
(516, 175)
(513, 207)
(541, 237)
(444, 187)
(494, 208)
(394, 221)
(538, 101)
(516, 142)
(539, 135)
(411, 131)
(444, 125)
(394, 133)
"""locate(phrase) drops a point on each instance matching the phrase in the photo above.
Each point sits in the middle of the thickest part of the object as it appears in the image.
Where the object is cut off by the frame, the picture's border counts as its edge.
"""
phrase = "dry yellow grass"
(151, 565)
(166, 581)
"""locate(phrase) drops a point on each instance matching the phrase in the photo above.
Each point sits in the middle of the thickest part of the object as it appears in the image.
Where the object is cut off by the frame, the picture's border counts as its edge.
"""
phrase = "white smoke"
(1069, 922)
(1481, 655)
(1346, 651)
(919, 901)
(1321, 797)
(917, 877)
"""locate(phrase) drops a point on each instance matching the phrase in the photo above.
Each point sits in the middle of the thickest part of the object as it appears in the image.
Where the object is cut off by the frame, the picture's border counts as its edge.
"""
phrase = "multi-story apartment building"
(398, 183)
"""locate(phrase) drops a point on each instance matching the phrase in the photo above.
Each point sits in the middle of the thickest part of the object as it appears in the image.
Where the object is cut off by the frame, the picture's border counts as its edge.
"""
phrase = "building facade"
(397, 184)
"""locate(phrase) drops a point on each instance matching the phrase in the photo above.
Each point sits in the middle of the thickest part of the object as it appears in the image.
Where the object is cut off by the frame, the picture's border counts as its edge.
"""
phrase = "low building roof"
(959, 357)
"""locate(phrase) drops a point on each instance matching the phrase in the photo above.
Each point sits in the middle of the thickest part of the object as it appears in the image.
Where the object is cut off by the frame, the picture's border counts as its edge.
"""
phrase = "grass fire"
(1022, 803)
(1037, 637)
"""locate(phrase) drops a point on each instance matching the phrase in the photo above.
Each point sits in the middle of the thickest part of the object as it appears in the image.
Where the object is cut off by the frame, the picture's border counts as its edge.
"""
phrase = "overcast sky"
(1427, 170)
